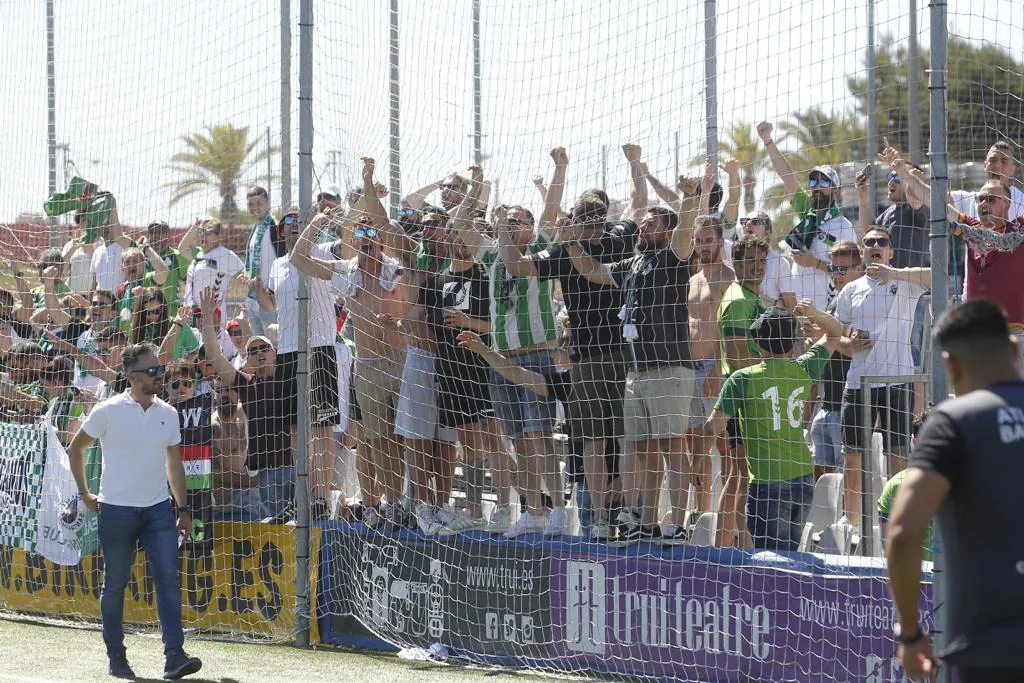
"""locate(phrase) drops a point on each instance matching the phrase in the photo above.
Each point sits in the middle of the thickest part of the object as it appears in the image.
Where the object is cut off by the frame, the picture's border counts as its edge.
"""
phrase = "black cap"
(775, 330)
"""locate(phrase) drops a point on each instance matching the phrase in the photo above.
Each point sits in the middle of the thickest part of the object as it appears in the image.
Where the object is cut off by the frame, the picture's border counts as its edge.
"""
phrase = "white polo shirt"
(106, 266)
(135, 443)
(886, 312)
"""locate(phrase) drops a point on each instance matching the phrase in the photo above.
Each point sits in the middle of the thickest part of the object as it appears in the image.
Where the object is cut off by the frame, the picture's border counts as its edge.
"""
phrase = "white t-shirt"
(965, 203)
(86, 380)
(80, 272)
(348, 278)
(886, 312)
(777, 275)
(214, 268)
(135, 443)
(267, 258)
(284, 283)
(814, 284)
(106, 266)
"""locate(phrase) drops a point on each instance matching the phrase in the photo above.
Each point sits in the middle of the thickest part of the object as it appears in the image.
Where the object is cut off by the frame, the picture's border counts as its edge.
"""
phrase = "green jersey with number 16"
(768, 399)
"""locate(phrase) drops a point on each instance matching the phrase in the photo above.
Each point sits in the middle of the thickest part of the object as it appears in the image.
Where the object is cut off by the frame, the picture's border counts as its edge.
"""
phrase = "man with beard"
(235, 487)
(106, 255)
(140, 437)
(995, 255)
(194, 417)
(373, 286)
(880, 304)
(707, 286)
(820, 223)
(176, 261)
(660, 383)
(264, 245)
(133, 265)
(1001, 166)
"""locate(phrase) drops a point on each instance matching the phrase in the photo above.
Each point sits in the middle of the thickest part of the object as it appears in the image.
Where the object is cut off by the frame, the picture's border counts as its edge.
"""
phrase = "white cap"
(332, 189)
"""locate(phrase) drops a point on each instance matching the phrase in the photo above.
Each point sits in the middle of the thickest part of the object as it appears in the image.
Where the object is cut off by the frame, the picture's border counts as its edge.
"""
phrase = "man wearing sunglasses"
(140, 438)
(820, 223)
(879, 306)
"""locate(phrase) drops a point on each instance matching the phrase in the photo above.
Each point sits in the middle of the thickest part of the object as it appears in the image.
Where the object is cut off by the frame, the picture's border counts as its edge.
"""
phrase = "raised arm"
(865, 214)
(266, 298)
(90, 363)
(160, 269)
(374, 208)
(221, 365)
(538, 182)
(170, 340)
(638, 183)
(556, 190)
(731, 212)
(891, 156)
(533, 381)
(302, 255)
(417, 198)
(190, 240)
(517, 264)
(682, 235)
(664, 192)
(779, 163)
(462, 217)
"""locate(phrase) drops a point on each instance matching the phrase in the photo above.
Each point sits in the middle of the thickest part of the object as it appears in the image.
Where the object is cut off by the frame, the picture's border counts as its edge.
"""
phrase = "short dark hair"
(26, 349)
(157, 225)
(517, 207)
(701, 222)
(885, 231)
(50, 257)
(257, 191)
(107, 295)
(670, 217)
(845, 248)
(599, 193)
(1005, 147)
(748, 242)
(975, 321)
(131, 355)
(590, 208)
(181, 368)
(61, 370)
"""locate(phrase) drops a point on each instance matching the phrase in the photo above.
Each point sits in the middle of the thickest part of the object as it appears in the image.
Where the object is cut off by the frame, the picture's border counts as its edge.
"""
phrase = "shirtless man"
(373, 286)
(706, 288)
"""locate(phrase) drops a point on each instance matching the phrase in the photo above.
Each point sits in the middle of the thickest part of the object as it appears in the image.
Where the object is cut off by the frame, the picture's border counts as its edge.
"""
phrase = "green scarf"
(254, 251)
(802, 236)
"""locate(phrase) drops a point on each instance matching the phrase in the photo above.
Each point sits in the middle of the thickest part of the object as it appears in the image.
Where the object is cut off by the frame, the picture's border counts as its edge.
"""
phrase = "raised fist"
(632, 151)
(764, 131)
(559, 156)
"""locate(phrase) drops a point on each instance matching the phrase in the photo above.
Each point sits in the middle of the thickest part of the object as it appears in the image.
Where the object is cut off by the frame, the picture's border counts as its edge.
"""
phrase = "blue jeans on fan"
(277, 489)
(121, 529)
(776, 512)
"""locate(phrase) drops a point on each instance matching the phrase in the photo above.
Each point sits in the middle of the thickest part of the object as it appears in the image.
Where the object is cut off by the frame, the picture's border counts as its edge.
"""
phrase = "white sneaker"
(556, 522)
(425, 519)
(460, 522)
(526, 524)
(500, 517)
(371, 518)
(600, 530)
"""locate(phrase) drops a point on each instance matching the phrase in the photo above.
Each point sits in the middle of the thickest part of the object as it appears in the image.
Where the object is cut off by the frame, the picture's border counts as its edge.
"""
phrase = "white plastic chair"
(704, 530)
(825, 508)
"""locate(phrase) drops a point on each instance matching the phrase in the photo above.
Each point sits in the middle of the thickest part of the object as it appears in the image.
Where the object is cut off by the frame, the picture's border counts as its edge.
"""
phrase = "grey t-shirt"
(909, 230)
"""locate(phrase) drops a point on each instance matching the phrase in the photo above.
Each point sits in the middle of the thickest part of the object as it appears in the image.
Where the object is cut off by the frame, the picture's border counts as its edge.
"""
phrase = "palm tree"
(742, 144)
(216, 158)
(824, 139)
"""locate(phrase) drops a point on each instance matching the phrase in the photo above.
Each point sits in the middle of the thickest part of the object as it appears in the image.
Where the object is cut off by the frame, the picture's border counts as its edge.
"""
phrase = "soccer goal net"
(598, 345)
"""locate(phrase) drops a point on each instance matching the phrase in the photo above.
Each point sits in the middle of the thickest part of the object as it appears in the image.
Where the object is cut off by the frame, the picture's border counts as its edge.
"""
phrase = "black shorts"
(733, 430)
(890, 406)
(463, 396)
(323, 385)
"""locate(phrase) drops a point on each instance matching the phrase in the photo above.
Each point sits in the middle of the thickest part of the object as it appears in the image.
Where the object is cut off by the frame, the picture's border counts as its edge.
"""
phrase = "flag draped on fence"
(22, 457)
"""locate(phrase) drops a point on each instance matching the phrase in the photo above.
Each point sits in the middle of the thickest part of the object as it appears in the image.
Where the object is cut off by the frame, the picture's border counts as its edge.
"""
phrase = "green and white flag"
(22, 458)
(85, 197)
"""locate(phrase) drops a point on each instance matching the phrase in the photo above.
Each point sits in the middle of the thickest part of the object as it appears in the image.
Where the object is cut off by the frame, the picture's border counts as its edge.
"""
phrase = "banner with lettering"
(64, 521)
(246, 585)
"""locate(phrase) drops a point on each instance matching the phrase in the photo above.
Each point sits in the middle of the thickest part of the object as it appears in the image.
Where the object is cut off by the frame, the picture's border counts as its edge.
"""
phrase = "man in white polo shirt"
(140, 436)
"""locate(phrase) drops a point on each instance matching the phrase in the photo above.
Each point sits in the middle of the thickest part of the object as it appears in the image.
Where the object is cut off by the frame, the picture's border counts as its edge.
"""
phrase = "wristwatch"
(184, 509)
(916, 637)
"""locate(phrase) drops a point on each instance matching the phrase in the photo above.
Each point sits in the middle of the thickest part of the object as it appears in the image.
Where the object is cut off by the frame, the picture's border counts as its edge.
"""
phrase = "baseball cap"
(233, 324)
(775, 330)
(826, 171)
(331, 189)
(258, 338)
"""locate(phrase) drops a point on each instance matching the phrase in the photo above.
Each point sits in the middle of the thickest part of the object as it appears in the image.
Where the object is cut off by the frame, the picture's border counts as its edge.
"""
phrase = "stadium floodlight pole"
(51, 115)
(286, 105)
(302, 544)
(711, 80)
(912, 76)
(478, 126)
(395, 140)
(871, 149)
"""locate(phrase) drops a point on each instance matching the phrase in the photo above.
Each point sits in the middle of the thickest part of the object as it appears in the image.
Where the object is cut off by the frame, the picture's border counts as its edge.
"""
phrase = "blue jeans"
(520, 410)
(776, 512)
(827, 437)
(277, 489)
(121, 528)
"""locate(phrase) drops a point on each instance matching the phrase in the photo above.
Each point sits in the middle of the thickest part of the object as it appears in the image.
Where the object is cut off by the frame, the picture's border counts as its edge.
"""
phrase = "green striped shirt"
(522, 313)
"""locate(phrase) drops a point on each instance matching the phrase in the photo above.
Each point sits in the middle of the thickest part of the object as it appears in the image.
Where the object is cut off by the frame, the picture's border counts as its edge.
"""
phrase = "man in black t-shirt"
(660, 385)
(966, 467)
(454, 300)
(267, 401)
(598, 361)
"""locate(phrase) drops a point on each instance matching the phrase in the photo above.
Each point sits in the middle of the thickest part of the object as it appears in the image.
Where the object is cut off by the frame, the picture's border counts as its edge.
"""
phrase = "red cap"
(234, 324)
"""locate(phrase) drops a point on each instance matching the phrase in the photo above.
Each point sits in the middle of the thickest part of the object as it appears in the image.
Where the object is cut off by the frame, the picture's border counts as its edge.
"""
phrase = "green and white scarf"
(254, 248)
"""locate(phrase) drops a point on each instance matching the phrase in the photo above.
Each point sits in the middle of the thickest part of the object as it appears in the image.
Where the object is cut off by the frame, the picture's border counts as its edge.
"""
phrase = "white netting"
(576, 433)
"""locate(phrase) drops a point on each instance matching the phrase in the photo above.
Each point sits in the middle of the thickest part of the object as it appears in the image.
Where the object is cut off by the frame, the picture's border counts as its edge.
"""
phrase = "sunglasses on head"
(818, 182)
(153, 371)
(289, 219)
(257, 349)
(990, 198)
(842, 270)
(890, 176)
(876, 242)
(407, 212)
(178, 383)
(360, 233)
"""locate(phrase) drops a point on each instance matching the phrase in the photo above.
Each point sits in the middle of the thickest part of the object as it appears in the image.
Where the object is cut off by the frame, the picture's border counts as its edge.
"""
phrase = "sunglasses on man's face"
(153, 371)
(407, 212)
(257, 349)
(842, 270)
(890, 177)
(290, 219)
(361, 233)
(235, 332)
(178, 383)
(876, 242)
(822, 183)
(990, 198)
(98, 304)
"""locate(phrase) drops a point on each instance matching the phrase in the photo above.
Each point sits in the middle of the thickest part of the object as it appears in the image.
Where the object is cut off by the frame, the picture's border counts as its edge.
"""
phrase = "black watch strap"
(912, 639)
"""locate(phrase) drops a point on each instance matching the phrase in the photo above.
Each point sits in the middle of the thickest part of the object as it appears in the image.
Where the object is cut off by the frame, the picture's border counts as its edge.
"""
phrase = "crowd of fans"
(442, 343)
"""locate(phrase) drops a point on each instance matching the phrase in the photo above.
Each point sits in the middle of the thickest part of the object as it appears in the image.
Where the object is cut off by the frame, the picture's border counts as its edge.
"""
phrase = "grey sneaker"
(527, 524)
(600, 530)
(674, 534)
(371, 517)
(460, 522)
(501, 516)
(425, 519)
(556, 523)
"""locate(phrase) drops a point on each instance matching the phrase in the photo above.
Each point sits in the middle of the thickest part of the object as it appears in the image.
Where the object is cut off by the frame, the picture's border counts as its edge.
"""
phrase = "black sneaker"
(180, 665)
(674, 534)
(119, 668)
(285, 516)
(319, 511)
(637, 533)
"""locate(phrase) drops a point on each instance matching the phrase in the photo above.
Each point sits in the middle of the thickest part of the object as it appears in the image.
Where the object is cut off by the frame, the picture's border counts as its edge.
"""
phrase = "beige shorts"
(657, 403)
(377, 381)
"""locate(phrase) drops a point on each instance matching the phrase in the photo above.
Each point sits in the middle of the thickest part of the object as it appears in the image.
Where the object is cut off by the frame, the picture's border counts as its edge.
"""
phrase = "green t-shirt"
(428, 262)
(177, 273)
(768, 399)
(39, 294)
(522, 312)
(885, 502)
(739, 309)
